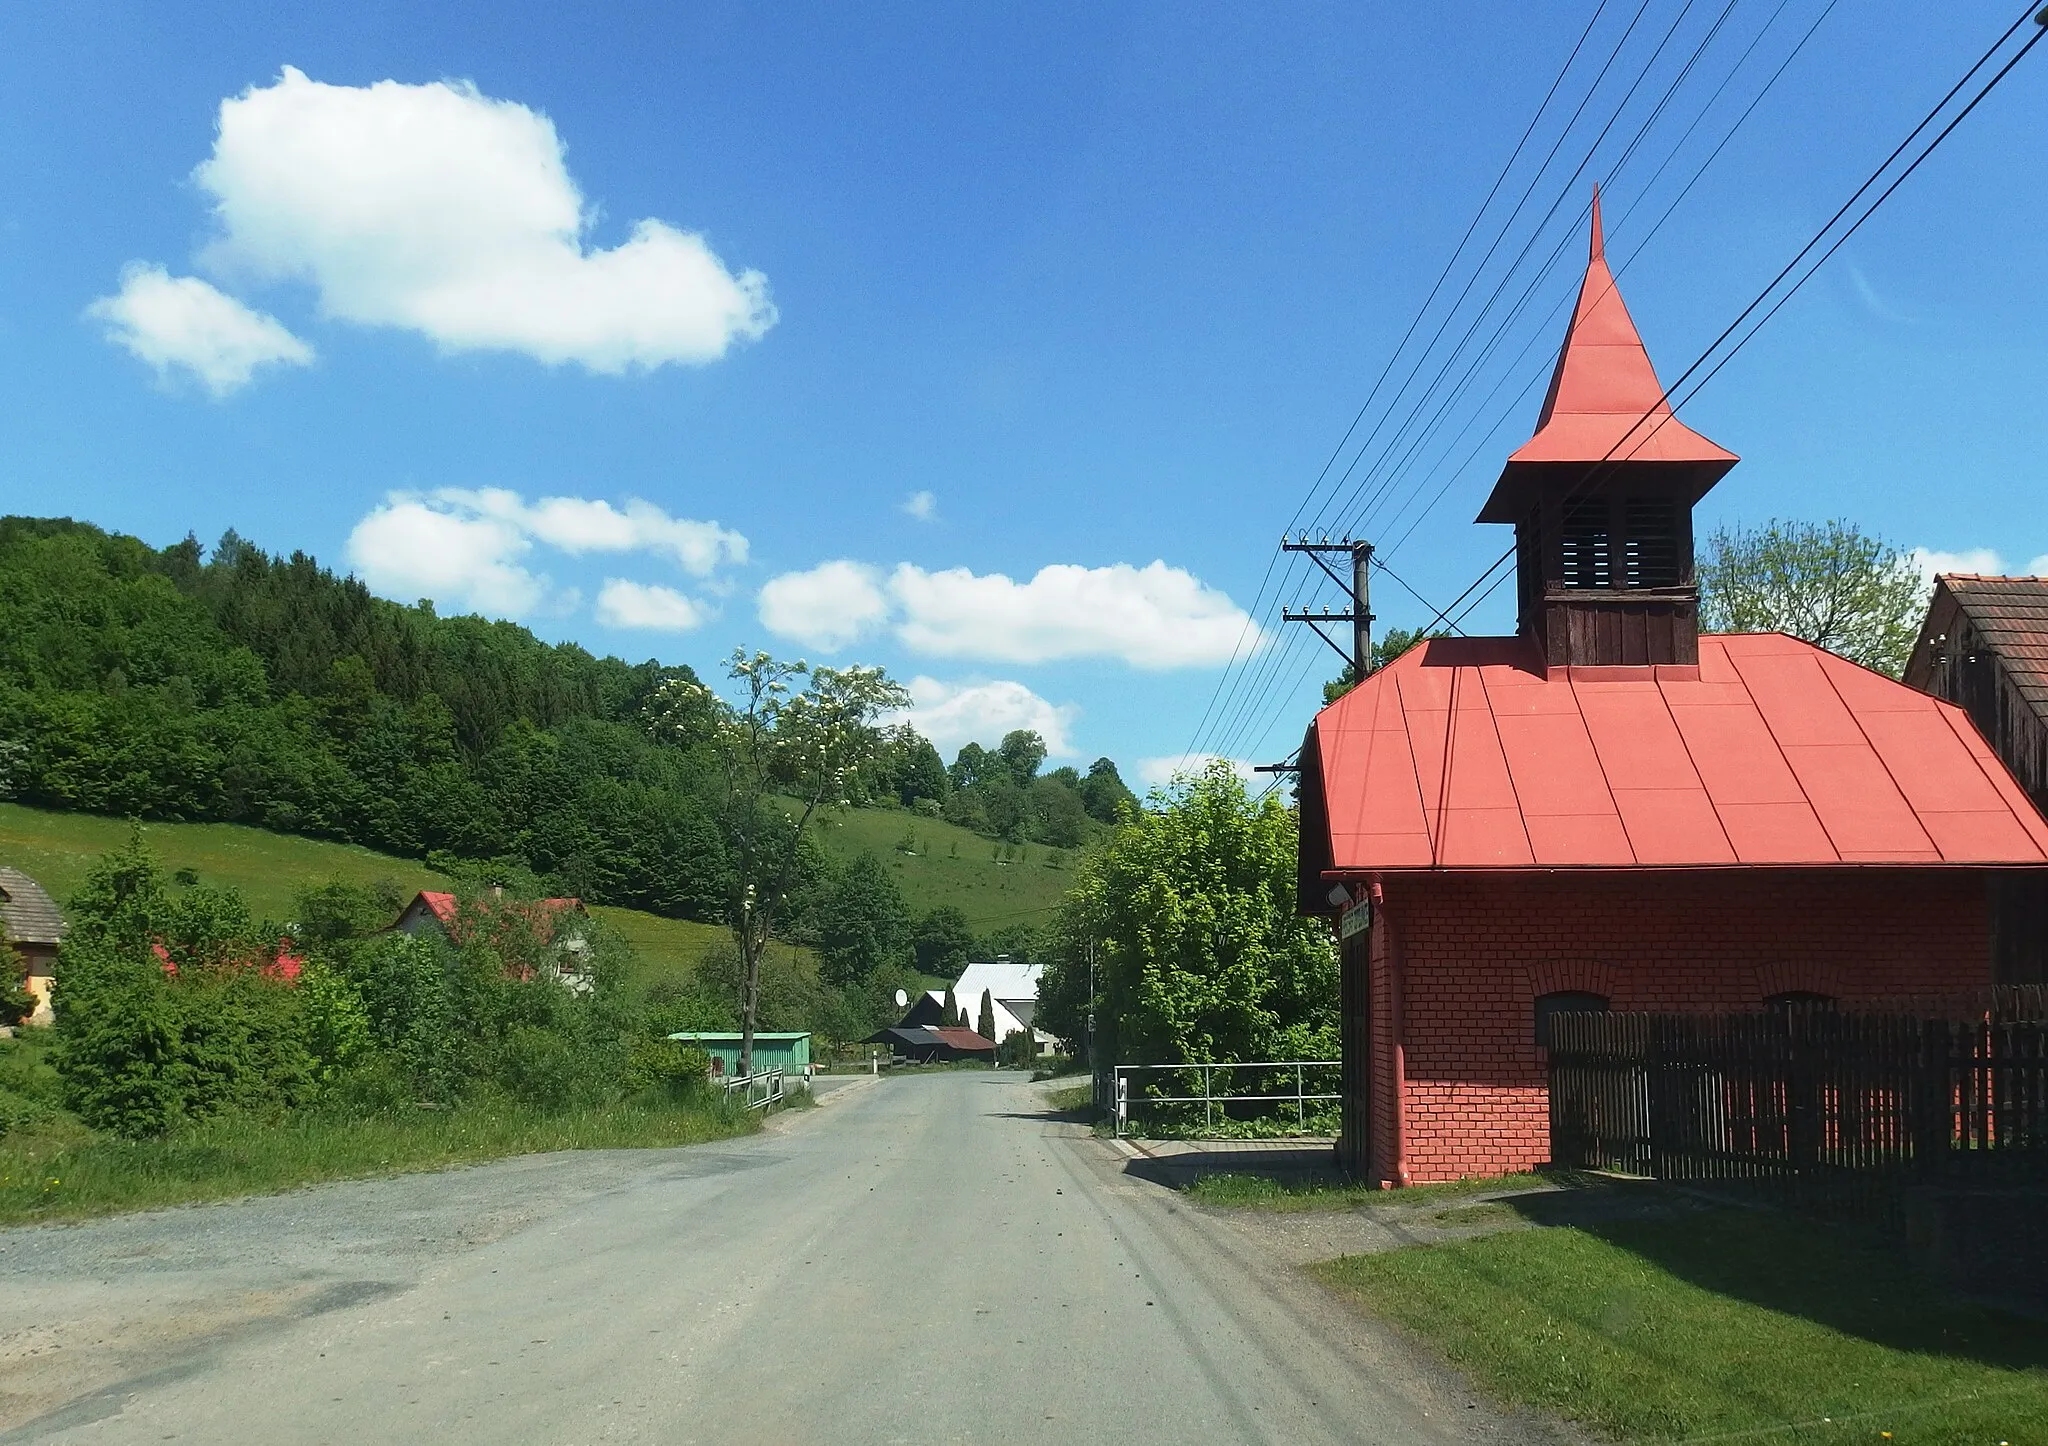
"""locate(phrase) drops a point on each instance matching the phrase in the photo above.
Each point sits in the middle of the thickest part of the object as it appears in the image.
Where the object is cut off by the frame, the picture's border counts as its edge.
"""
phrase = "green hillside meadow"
(948, 865)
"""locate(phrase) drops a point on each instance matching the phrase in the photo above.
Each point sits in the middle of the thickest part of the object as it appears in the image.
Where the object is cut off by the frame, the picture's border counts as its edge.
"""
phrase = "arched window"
(1564, 1001)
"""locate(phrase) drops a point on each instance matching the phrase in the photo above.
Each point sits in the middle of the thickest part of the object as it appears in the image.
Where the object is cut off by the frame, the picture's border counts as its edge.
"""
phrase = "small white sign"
(1355, 920)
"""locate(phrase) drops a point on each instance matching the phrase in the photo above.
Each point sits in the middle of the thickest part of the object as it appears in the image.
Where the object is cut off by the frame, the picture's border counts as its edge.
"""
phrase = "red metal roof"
(1605, 403)
(963, 1038)
(1464, 754)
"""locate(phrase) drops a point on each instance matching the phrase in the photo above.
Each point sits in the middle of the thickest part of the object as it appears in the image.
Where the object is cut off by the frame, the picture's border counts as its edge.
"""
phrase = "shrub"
(147, 1053)
(538, 1067)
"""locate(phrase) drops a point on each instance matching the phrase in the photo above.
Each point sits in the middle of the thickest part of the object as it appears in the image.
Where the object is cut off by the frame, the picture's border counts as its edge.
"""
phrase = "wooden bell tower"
(1601, 498)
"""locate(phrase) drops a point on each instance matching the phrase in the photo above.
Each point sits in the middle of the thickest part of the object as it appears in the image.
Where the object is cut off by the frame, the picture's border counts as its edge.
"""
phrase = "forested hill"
(240, 687)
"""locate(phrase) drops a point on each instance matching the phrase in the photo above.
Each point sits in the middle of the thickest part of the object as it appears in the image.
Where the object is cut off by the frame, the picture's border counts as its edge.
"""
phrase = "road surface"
(927, 1259)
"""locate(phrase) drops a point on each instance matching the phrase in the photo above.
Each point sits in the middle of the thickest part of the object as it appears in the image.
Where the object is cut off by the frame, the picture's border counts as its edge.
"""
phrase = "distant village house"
(560, 923)
(35, 927)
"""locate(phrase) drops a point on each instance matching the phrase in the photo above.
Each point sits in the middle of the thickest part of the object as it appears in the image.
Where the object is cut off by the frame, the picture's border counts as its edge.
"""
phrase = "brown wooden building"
(1984, 647)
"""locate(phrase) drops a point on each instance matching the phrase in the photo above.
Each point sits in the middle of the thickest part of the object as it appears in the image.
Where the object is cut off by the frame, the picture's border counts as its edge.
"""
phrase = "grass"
(266, 869)
(662, 945)
(1718, 1325)
(1262, 1192)
(953, 866)
(1080, 1099)
(63, 1172)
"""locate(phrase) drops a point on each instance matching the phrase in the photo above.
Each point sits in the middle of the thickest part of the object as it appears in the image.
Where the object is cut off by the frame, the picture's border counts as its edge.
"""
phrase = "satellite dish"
(901, 999)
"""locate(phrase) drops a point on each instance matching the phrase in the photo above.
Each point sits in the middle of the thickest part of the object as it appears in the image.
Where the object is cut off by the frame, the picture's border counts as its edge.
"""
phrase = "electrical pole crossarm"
(1358, 585)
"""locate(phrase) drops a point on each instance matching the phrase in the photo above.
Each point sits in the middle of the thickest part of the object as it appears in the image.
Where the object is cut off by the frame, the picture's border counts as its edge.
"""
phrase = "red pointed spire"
(1605, 403)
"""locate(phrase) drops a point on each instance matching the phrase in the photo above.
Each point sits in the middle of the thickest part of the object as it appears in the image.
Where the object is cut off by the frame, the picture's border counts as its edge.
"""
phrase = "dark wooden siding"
(1954, 660)
(1592, 627)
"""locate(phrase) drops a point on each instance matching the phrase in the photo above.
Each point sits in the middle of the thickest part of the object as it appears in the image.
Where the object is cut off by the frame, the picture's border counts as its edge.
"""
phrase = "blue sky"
(1102, 285)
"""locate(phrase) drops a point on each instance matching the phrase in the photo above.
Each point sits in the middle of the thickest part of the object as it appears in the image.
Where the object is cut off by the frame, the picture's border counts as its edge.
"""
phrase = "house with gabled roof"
(561, 923)
(34, 926)
(1984, 647)
(1012, 988)
(1610, 810)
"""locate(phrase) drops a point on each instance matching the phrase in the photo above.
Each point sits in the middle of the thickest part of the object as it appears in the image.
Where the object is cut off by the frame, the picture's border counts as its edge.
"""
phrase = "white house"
(1013, 995)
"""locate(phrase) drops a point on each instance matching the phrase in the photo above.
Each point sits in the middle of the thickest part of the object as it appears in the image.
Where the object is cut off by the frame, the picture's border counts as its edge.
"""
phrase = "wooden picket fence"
(1835, 1110)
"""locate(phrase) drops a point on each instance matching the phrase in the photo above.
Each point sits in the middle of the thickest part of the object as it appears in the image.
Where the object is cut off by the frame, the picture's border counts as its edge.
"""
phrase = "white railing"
(1209, 1099)
(756, 1091)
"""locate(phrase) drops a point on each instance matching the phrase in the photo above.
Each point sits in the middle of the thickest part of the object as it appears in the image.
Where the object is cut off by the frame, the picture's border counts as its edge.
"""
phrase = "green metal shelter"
(790, 1053)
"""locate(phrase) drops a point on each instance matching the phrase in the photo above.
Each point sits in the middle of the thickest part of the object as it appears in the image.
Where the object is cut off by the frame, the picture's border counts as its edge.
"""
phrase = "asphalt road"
(929, 1259)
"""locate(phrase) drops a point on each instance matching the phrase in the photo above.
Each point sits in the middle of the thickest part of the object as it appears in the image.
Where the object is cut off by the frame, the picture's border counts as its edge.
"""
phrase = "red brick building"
(1609, 810)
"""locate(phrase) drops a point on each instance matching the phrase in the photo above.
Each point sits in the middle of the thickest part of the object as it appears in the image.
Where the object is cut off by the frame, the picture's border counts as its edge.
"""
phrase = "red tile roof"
(2010, 615)
(446, 907)
(1463, 754)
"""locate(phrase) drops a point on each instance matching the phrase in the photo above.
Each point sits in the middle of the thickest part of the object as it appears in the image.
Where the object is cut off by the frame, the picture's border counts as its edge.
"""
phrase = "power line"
(1246, 689)
(1251, 625)
(2040, 19)
(1482, 586)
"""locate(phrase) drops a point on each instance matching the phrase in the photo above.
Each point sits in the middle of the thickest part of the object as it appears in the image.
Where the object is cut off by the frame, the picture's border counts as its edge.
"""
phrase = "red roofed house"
(555, 920)
(1608, 810)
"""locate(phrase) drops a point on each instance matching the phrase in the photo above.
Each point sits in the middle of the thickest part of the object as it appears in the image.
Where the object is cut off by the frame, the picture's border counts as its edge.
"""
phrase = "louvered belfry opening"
(1601, 498)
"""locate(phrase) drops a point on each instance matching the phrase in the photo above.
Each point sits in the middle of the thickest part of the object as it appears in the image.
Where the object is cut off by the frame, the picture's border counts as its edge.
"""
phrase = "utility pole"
(1358, 587)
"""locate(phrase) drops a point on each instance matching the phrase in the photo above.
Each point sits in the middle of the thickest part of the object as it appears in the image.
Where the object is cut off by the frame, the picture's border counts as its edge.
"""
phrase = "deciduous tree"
(942, 941)
(1199, 954)
(1828, 583)
(781, 758)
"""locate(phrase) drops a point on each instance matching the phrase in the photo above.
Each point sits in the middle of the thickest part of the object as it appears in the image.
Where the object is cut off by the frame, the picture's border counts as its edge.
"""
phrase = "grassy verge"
(1076, 1099)
(1261, 1192)
(1720, 1325)
(64, 1172)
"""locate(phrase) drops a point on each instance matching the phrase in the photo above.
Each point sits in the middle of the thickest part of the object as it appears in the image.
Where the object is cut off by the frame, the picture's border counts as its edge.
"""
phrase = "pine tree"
(952, 1009)
(985, 1026)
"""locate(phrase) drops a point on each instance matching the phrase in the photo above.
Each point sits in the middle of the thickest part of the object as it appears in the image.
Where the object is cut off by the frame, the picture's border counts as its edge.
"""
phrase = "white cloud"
(1983, 560)
(952, 714)
(1152, 617)
(828, 607)
(577, 525)
(466, 547)
(624, 604)
(1159, 772)
(437, 209)
(180, 321)
(924, 506)
(406, 549)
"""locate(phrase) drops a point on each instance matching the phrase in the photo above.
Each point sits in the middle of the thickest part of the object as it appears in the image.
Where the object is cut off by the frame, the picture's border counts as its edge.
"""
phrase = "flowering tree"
(781, 755)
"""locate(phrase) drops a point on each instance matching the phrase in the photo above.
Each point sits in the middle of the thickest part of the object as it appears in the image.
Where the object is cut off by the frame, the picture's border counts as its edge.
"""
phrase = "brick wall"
(1475, 952)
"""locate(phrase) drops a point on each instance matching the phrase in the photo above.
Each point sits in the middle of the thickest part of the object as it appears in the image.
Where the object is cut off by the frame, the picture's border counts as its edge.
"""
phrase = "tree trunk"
(750, 997)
